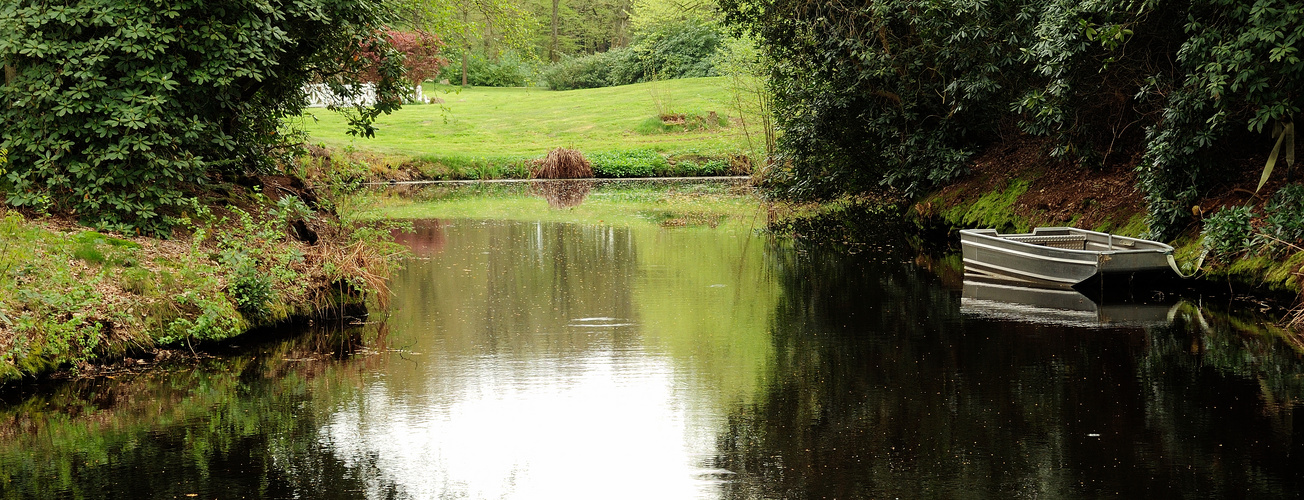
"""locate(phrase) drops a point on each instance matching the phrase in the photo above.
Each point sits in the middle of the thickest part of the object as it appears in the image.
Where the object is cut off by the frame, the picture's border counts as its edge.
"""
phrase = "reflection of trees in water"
(239, 426)
(426, 238)
(562, 193)
(495, 280)
(880, 389)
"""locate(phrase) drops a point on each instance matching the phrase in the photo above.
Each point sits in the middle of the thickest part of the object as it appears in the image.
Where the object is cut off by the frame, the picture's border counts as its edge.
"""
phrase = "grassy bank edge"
(72, 298)
(353, 166)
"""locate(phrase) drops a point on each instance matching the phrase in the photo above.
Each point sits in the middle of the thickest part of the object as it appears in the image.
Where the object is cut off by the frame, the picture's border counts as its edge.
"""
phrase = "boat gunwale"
(1164, 248)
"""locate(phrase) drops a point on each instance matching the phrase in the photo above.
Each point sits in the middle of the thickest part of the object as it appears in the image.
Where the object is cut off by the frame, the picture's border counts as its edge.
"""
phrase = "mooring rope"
(1198, 263)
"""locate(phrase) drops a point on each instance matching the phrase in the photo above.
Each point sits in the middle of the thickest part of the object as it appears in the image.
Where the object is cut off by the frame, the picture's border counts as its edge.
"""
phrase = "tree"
(465, 22)
(421, 54)
(119, 108)
(902, 92)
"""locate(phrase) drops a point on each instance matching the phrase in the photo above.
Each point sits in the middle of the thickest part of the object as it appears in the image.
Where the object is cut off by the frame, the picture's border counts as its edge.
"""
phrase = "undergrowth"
(69, 297)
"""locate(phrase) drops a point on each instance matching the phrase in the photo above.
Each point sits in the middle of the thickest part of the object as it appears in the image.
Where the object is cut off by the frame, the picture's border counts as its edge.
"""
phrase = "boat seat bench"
(1067, 242)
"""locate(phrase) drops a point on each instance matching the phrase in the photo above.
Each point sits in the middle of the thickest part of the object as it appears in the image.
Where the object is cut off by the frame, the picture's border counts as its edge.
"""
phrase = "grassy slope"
(527, 122)
(70, 296)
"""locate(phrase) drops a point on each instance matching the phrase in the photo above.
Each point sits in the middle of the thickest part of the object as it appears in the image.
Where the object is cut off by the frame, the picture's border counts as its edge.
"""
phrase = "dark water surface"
(530, 360)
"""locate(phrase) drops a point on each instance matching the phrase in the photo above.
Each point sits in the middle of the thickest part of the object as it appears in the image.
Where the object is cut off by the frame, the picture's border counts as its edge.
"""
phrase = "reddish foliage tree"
(420, 49)
(421, 53)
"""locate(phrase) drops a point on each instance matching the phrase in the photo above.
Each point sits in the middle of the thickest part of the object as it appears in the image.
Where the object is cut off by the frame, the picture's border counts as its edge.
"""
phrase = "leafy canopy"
(902, 92)
(116, 109)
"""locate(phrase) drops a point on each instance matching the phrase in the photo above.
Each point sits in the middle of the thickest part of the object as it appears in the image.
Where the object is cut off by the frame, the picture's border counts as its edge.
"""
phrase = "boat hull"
(1059, 256)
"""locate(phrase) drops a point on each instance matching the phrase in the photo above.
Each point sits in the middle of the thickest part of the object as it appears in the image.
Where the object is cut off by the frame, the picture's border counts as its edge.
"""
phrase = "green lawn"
(527, 122)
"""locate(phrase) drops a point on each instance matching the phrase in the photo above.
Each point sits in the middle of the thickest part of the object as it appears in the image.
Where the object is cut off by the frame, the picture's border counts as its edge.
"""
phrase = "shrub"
(1228, 231)
(591, 71)
(1285, 214)
(674, 50)
(901, 92)
(115, 108)
(679, 50)
(633, 163)
(250, 289)
(508, 69)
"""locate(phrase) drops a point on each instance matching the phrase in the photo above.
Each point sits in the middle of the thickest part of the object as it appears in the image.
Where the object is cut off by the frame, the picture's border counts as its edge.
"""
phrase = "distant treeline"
(679, 49)
(903, 92)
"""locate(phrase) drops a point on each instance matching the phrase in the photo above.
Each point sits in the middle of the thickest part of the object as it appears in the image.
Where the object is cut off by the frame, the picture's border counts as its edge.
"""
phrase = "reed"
(562, 163)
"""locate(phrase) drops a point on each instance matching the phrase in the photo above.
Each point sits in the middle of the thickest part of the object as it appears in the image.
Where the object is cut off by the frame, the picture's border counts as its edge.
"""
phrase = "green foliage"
(603, 69)
(1285, 214)
(649, 163)
(463, 167)
(1238, 72)
(677, 50)
(899, 93)
(508, 69)
(1228, 232)
(695, 168)
(632, 163)
(119, 107)
(896, 93)
(250, 288)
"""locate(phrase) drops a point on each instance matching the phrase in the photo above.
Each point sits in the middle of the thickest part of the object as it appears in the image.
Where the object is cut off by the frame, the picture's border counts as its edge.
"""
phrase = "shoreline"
(76, 299)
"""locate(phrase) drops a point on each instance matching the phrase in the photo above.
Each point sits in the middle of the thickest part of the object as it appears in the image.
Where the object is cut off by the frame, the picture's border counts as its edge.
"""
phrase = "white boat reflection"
(988, 298)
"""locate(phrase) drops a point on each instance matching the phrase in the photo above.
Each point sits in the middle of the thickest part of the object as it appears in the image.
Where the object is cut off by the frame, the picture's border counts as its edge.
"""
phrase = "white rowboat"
(1060, 256)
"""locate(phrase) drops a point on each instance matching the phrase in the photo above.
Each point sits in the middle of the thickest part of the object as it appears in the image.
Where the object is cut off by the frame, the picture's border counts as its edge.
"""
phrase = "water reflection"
(557, 360)
(565, 361)
(562, 193)
(1057, 306)
(425, 239)
(877, 397)
(236, 426)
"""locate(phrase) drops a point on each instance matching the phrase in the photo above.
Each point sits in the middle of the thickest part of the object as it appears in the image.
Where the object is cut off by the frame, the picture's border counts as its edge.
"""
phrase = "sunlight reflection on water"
(618, 426)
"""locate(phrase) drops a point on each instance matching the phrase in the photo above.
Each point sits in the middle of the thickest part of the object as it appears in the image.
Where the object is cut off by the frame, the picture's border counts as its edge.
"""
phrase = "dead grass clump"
(740, 164)
(562, 163)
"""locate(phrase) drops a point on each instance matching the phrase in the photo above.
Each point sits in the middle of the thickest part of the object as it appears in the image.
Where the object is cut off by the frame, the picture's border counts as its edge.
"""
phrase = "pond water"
(677, 353)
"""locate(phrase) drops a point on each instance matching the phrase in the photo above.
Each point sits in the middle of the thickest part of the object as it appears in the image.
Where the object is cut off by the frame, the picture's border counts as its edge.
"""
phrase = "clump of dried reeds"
(562, 194)
(562, 163)
(342, 266)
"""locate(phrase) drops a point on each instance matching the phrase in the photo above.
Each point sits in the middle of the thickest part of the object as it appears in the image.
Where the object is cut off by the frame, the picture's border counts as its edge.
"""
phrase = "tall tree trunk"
(620, 32)
(552, 51)
(466, 41)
